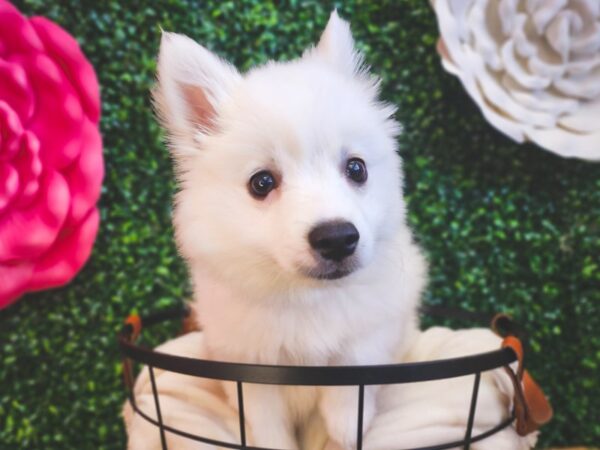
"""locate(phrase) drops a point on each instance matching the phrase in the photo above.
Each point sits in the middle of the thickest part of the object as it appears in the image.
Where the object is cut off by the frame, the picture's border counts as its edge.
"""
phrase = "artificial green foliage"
(507, 227)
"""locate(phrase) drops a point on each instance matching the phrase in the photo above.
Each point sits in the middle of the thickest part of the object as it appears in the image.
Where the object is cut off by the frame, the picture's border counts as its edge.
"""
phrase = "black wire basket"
(359, 376)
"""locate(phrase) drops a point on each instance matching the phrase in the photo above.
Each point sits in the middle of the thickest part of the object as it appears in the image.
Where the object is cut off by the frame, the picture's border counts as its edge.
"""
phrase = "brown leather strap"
(136, 324)
(532, 409)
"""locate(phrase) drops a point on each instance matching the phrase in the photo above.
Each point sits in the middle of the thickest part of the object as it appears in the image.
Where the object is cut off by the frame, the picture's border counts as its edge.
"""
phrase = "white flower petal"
(486, 34)
(583, 66)
(506, 125)
(558, 32)
(567, 144)
(516, 70)
(544, 11)
(450, 33)
(450, 67)
(591, 8)
(499, 97)
(585, 119)
(540, 100)
(586, 86)
(524, 46)
(540, 66)
(532, 5)
(542, 60)
(588, 41)
(507, 10)
(459, 10)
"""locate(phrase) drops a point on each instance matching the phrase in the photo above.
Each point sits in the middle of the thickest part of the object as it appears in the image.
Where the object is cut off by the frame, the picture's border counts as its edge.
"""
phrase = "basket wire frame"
(358, 376)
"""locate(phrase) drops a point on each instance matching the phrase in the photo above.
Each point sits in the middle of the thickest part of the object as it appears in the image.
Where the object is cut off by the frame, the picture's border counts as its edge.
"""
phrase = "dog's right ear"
(192, 84)
(336, 47)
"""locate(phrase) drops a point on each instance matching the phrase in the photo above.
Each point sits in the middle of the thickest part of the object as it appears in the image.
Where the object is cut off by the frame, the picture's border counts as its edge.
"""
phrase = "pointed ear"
(192, 83)
(336, 47)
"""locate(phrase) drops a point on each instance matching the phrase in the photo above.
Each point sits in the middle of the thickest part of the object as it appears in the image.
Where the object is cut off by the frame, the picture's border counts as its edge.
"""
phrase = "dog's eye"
(261, 184)
(356, 170)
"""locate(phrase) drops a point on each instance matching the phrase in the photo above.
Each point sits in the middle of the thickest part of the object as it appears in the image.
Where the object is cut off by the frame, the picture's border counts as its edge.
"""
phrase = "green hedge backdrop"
(506, 227)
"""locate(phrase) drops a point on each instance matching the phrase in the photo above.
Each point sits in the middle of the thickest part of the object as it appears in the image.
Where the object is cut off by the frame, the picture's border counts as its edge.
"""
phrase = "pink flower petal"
(61, 46)
(16, 33)
(14, 279)
(15, 89)
(10, 132)
(27, 233)
(28, 163)
(9, 185)
(85, 175)
(67, 255)
(58, 117)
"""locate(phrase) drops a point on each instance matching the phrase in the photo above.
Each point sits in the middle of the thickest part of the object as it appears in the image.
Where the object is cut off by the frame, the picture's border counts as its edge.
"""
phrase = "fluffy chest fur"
(315, 325)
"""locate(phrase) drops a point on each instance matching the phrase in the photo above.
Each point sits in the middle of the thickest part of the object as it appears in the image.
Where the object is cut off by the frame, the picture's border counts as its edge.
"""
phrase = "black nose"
(334, 240)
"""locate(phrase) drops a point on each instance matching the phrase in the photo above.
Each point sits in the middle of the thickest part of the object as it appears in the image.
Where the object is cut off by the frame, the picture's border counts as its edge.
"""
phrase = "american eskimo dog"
(290, 215)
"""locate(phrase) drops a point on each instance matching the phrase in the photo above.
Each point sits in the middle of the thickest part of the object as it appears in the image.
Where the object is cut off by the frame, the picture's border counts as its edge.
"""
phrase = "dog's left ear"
(192, 84)
(336, 47)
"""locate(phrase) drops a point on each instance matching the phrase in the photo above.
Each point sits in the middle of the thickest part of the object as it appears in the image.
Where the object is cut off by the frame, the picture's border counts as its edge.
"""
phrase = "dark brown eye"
(356, 170)
(261, 183)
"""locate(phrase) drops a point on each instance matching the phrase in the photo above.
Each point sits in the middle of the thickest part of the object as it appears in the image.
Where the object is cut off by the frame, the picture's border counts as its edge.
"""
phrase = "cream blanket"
(410, 415)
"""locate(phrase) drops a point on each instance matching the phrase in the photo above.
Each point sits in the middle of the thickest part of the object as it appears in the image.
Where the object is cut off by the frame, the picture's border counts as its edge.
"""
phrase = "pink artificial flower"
(51, 165)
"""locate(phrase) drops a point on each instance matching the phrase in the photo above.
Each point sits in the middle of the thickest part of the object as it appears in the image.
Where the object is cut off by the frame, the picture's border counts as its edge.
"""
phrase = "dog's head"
(287, 173)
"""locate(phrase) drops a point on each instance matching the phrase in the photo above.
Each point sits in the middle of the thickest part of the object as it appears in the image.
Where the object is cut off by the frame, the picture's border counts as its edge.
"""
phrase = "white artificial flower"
(532, 67)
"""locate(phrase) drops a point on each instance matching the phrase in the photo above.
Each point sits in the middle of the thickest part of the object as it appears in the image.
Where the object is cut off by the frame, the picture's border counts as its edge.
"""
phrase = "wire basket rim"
(397, 373)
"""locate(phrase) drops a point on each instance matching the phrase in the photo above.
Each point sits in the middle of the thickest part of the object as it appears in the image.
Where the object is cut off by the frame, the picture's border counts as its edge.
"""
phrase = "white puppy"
(291, 218)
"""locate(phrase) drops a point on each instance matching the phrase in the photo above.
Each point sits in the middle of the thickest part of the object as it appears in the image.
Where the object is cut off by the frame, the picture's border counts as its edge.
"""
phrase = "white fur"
(250, 259)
